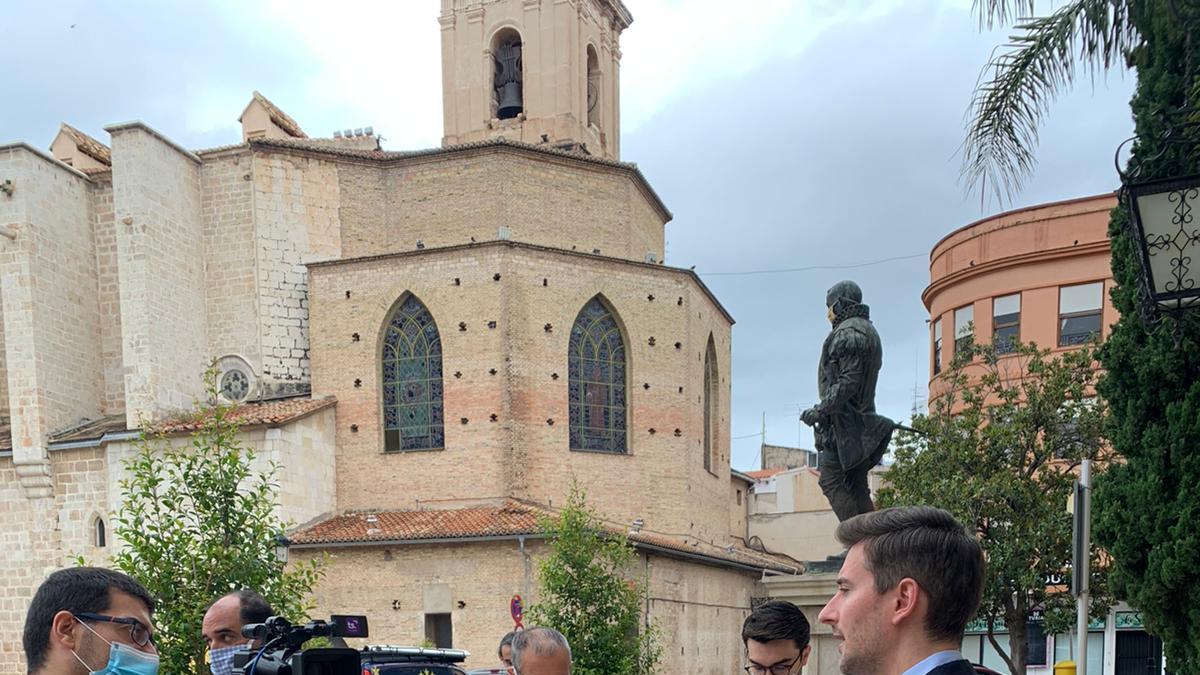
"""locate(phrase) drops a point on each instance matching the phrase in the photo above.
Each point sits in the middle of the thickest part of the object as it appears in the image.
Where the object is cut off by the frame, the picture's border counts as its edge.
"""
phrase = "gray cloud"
(842, 154)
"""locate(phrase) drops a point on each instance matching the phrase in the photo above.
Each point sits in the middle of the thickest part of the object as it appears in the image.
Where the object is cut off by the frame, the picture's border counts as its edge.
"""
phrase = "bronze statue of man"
(851, 437)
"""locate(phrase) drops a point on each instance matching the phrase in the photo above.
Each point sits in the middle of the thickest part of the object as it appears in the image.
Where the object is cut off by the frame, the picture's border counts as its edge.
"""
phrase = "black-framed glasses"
(137, 632)
(777, 669)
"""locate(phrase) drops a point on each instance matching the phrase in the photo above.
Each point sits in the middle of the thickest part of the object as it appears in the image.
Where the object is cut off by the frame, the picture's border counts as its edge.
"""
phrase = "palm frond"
(1001, 12)
(1035, 66)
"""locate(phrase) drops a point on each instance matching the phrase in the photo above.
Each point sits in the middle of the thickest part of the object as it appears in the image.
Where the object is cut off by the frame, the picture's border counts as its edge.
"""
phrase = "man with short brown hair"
(912, 579)
(90, 620)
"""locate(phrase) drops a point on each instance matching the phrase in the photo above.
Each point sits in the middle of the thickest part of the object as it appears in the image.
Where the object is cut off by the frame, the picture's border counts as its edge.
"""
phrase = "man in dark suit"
(911, 581)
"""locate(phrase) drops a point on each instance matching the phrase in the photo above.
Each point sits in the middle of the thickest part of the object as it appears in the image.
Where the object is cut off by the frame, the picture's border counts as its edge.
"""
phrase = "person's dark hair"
(542, 641)
(506, 640)
(928, 545)
(254, 608)
(76, 590)
(777, 620)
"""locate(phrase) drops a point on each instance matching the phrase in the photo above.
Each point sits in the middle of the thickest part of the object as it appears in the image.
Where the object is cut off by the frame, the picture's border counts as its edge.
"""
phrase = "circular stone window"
(235, 385)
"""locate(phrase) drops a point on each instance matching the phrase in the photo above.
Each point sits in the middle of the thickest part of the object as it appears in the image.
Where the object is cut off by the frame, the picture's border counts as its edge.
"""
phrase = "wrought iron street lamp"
(1166, 224)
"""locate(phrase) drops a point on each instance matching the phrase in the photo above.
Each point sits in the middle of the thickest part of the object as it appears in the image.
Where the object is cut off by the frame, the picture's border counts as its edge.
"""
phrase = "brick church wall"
(160, 248)
(521, 453)
(452, 198)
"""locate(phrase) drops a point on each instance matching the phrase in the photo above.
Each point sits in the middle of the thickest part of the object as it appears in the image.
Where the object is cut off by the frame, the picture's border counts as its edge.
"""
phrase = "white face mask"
(123, 659)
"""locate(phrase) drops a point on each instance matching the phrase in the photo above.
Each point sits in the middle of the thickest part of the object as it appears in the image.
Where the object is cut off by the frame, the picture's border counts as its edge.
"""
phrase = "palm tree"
(1146, 505)
(1039, 62)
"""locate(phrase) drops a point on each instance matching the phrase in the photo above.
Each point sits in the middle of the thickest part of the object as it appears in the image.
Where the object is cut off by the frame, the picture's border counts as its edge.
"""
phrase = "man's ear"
(804, 655)
(62, 630)
(906, 601)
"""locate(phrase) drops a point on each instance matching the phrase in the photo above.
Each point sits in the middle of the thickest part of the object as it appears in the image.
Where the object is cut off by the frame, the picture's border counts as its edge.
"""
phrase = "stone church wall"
(698, 608)
(305, 454)
(49, 287)
(455, 198)
(160, 248)
(41, 535)
(296, 205)
(109, 289)
(524, 453)
(396, 586)
(227, 210)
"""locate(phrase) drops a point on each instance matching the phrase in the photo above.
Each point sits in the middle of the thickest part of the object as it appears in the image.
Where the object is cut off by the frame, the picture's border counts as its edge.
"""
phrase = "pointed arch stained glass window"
(596, 367)
(412, 380)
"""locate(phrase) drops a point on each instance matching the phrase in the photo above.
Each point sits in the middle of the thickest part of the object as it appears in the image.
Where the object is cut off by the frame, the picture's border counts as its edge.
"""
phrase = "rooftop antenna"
(762, 443)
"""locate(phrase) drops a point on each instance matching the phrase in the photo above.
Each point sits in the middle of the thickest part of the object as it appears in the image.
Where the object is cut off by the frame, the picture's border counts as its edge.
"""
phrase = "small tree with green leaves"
(999, 449)
(197, 521)
(586, 590)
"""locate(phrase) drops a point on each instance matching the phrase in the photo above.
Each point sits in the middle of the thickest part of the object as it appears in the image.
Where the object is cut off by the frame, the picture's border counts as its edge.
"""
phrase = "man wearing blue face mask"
(222, 627)
(90, 620)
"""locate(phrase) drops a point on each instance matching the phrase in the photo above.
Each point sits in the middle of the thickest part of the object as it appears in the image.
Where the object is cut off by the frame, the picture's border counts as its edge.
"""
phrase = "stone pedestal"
(810, 592)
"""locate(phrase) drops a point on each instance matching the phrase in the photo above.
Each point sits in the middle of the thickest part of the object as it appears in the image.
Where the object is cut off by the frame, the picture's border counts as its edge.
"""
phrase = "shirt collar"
(925, 665)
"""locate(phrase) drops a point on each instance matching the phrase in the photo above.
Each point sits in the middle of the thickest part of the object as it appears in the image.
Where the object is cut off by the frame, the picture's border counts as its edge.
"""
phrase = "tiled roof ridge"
(248, 414)
(280, 118)
(314, 144)
(513, 517)
(88, 145)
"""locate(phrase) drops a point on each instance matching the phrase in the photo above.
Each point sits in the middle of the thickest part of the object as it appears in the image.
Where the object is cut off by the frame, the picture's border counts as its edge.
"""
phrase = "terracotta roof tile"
(267, 413)
(764, 473)
(280, 118)
(88, 145)
(509, 519)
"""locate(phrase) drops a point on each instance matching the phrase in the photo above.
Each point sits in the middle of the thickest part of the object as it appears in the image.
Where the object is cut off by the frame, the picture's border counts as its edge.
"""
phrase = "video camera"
(281, 641)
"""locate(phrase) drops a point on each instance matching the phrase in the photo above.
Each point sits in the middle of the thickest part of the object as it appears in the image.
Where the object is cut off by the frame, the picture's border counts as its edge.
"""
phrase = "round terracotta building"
(1040, 274)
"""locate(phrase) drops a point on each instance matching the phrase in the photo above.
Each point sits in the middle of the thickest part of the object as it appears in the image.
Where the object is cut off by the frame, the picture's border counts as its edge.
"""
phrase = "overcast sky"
(782, 134)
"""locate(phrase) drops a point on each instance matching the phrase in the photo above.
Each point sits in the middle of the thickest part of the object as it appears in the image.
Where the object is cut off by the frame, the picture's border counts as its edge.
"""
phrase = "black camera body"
(281, 641)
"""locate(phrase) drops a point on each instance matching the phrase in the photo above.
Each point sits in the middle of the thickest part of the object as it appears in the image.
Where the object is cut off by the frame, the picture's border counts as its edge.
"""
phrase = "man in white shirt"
(911, 581)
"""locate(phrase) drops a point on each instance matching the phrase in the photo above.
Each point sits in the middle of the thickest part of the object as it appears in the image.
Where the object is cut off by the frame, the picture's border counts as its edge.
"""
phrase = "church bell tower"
(535, 71)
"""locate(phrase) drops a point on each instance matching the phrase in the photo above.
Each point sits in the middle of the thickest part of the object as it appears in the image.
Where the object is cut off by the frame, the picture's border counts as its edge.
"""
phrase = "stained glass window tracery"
(597, 395)
(412, 380)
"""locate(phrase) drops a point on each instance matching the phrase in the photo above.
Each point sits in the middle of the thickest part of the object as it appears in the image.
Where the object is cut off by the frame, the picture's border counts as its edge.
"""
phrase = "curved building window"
(597, 394)
(710, 402)
(101, 540)
(412, 380)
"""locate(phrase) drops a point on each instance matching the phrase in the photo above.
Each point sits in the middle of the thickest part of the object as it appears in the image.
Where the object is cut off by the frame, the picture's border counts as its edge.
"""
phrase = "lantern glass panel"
(1169, 217)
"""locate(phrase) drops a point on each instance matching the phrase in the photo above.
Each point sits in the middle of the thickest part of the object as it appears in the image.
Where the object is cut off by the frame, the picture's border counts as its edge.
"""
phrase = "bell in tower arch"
(507, 80)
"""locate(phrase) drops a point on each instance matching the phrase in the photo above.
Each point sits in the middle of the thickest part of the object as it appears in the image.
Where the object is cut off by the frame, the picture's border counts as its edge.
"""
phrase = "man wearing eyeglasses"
(90, 620)
(775, 637)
